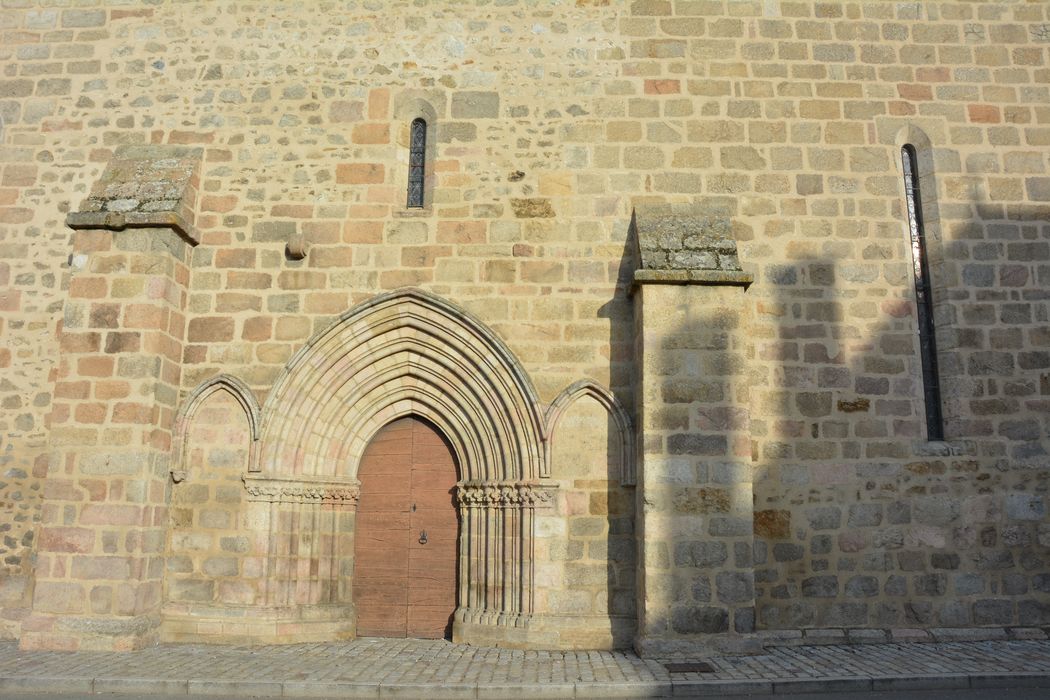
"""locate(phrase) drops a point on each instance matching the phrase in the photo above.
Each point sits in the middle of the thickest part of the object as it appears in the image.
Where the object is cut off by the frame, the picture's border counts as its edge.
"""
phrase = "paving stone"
(373, 668)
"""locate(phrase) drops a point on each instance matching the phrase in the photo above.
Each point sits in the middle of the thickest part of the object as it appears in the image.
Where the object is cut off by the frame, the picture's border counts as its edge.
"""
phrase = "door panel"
(402, 585)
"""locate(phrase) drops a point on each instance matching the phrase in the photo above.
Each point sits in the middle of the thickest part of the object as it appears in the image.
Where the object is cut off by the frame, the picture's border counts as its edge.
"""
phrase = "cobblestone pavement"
(439, 669)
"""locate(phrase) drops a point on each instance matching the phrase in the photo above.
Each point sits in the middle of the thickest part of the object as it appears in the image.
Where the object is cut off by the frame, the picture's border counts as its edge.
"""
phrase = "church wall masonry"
(680, 226)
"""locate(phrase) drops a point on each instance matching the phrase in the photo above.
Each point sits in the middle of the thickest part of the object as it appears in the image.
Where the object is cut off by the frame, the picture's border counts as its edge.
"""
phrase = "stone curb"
(141, 687)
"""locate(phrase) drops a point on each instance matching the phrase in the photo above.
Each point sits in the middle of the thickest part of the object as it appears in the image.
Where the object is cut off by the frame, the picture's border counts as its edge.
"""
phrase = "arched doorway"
(407, 533)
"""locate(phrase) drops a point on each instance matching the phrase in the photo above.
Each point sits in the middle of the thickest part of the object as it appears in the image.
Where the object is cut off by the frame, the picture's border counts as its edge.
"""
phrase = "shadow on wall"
(586, 583)
(860, 520)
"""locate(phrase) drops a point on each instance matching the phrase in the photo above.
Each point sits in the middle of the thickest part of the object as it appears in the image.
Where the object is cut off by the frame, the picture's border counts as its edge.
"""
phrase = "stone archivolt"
(403, 353)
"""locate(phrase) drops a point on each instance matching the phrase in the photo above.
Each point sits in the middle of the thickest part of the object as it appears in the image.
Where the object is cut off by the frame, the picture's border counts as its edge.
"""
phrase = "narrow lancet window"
(417, 156)
(923, 297)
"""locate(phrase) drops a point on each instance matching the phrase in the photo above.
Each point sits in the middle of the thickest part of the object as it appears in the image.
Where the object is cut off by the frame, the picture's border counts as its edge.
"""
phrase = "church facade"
(681, 325)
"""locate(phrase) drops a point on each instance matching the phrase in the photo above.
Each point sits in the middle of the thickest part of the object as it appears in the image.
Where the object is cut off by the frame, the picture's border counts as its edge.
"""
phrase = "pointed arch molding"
(619, 416)
(223, 382)
(405, 352)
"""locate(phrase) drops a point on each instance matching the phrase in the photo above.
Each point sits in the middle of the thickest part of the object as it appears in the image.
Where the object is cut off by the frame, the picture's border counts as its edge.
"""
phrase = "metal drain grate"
(690, 667)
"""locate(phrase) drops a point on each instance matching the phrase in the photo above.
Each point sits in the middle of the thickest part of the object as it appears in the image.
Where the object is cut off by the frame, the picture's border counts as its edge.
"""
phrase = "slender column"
(498, 524)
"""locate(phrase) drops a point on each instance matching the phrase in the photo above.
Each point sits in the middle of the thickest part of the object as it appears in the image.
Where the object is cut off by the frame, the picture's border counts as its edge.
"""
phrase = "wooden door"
(405, 582)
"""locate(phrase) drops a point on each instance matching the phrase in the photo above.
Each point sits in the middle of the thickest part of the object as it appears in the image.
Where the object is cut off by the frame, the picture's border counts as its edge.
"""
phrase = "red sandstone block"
(95, 568)
(95, 366)
(909, 91)
(375, 132)
(80, 342)
(60, 413)
(423, 255)
(92, 241)
(5, 358)
(233, 302)
(8, 196)
(111, 389)
(360, 173)
(128, 412)
(67, 539)
(461, 232)
(221, 204)
(190, 137)
(58, 597)
(146, 316)
(95, 488)
(542, 272)
(90, 413)
(367, 211)
(19, 175)
(61, 490)
(210, 329)
(293, 211)
(326, 302)
(363, 232)
(378, 103)
(899, 109)
(117, 342)
(662, 87)
(248, 280)
(110, 514)
(10, 300)
(301, 279)
(55, 125)
(258, 328)
(218, 155)
(392, 279)
(104, 316)
(322, 232)
(331, 256)
(983, 114)
(928, 74)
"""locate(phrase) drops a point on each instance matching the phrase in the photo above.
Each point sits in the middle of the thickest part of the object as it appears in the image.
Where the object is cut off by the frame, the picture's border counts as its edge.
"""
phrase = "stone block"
(862, 587)
(699, 620)
(825, 518)
(1023, 506)
(735, 586)
(700, 554)
(469, 104)
(865, 515)
(820, 587)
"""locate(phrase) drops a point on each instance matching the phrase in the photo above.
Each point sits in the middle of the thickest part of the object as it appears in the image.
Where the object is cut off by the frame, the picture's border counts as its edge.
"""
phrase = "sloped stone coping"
(710, 277)
(145, 186)
(686, 236)
(117, 221)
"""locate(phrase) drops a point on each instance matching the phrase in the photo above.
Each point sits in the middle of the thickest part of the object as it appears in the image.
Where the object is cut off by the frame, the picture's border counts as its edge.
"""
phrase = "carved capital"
(503, 494)
(302, 489)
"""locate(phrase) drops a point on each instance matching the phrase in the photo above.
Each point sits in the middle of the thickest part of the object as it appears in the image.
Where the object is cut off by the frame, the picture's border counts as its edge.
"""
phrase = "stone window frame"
(943, 319)
(417, 144)
(411, 106)
(931, 382)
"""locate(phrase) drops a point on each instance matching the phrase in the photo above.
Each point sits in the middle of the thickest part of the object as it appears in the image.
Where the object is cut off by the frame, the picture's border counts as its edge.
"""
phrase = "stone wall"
(549, 125)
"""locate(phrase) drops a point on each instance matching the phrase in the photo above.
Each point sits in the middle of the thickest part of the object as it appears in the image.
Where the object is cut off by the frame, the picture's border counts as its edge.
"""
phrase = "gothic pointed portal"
(409, 353)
